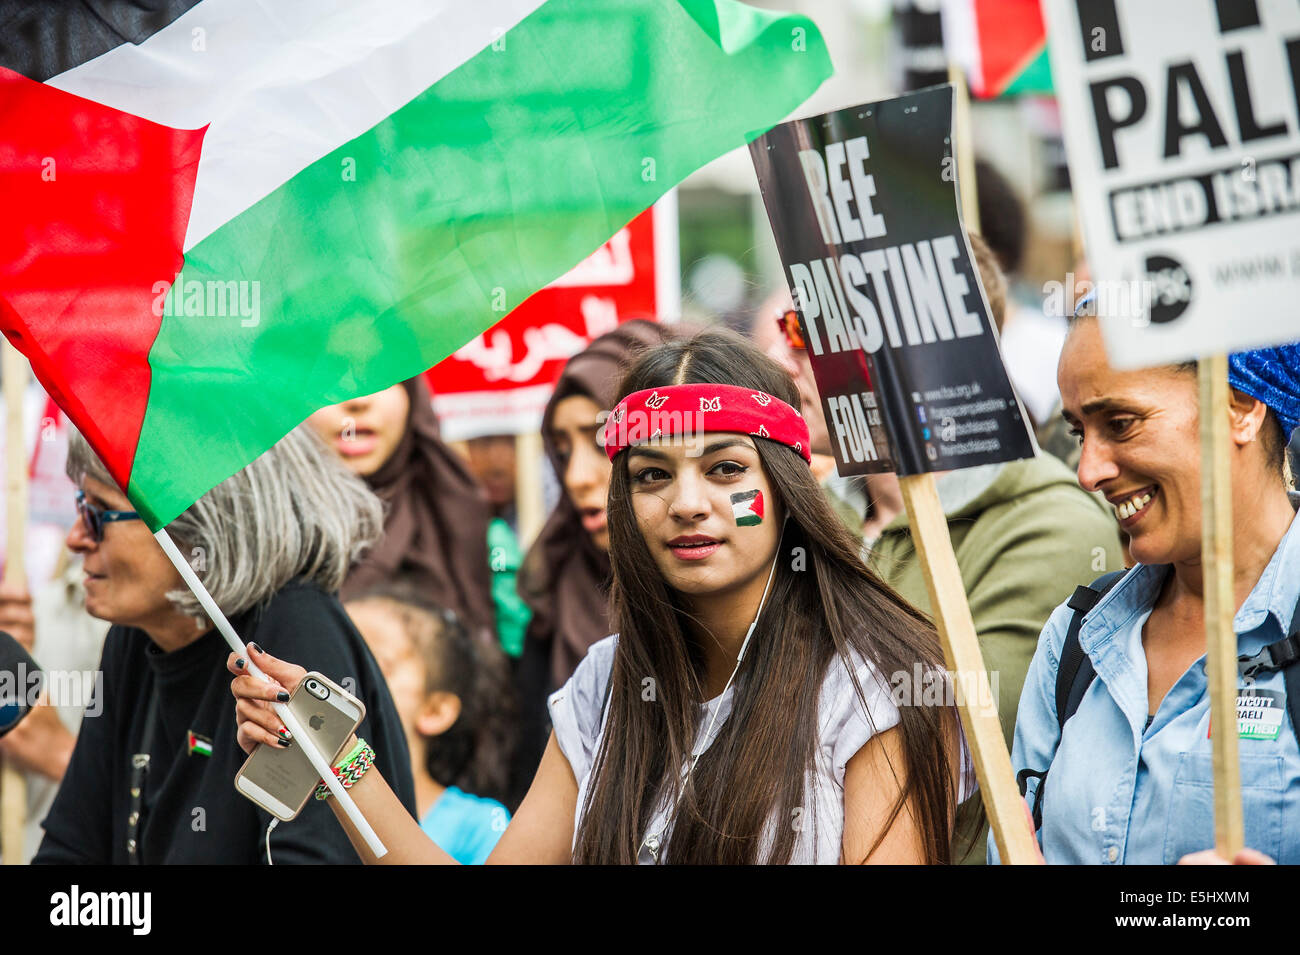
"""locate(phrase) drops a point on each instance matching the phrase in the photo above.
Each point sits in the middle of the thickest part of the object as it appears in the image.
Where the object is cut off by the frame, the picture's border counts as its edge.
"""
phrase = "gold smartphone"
(281, 780)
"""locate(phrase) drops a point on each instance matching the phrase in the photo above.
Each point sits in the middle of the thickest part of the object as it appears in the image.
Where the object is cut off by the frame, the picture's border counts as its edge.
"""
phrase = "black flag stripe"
(43, 38)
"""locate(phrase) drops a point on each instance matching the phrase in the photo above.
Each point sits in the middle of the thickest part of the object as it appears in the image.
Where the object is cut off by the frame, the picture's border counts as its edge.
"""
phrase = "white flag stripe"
(284, 83)
(961, 38)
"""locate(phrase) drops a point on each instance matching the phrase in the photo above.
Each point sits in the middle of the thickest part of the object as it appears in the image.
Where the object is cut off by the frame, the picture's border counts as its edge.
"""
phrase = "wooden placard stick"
(965, 152)
(1220, 603)
(13, 785)
(529, 506)
(961, 650)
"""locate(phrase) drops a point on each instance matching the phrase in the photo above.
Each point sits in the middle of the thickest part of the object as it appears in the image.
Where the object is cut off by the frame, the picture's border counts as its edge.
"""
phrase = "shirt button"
(1112, 854)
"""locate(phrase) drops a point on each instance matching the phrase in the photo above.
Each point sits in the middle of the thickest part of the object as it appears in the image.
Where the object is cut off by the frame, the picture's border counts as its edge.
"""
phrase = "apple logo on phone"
(317, 721)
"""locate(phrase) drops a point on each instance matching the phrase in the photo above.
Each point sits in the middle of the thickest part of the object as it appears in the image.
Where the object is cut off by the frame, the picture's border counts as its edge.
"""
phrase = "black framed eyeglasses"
(96, 517)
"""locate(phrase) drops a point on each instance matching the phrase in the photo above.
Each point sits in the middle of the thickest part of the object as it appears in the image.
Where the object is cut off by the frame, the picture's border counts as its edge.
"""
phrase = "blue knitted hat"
(1271, 375)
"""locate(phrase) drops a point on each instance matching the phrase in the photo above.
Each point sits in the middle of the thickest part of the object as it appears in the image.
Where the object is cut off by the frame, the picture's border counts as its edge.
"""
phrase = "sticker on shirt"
(1259, 713)
(198, 745)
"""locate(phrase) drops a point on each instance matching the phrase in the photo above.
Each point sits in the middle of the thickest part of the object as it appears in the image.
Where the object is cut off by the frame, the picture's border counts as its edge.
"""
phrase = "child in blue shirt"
(453, 696)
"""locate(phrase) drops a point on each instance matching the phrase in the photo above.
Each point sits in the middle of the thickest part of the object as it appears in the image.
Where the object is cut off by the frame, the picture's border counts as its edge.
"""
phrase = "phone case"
(282, 780)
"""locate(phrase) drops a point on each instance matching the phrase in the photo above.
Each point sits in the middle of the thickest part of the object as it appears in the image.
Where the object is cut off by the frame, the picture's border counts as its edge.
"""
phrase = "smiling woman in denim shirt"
(1129, 778)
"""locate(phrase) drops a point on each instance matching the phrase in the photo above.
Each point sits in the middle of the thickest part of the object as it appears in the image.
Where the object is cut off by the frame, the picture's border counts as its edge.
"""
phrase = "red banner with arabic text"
(499, 383)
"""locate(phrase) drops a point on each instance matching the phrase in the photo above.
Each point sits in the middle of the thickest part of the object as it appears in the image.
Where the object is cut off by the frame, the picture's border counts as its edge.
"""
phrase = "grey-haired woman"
(272, 544)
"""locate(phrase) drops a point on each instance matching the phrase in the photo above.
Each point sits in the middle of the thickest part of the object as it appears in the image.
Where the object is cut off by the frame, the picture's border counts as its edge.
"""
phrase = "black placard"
(863, 202)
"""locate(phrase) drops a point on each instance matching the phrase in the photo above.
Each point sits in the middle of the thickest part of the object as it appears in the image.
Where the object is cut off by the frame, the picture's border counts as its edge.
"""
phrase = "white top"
(843, 728)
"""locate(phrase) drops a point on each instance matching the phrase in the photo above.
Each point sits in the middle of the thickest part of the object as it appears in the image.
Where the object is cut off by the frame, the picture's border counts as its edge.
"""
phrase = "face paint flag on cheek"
(747, 508)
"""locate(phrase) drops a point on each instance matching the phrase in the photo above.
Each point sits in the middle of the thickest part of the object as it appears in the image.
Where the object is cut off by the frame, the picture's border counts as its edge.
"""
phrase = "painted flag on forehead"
(353, 190)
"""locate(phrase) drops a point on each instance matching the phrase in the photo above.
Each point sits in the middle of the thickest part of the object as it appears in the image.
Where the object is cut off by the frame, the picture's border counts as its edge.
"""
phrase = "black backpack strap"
(1075, 673)
(1291, 678)
(1022, 781)
(1073, 676)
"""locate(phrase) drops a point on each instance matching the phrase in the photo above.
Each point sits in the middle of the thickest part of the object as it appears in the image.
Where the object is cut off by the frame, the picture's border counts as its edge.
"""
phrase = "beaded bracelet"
(352, 768)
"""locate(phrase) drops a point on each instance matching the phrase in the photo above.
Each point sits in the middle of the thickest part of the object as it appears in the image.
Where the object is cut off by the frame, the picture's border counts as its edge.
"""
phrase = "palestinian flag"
(1001, 45)
(198, 745)
(747, 508)
(223, 215)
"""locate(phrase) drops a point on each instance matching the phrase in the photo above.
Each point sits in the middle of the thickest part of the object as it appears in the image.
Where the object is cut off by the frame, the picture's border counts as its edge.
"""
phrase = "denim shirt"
(1119, 792)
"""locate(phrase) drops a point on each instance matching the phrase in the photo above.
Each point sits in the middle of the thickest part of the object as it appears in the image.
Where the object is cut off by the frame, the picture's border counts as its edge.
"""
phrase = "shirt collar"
(1275, 592)
(1135, 593)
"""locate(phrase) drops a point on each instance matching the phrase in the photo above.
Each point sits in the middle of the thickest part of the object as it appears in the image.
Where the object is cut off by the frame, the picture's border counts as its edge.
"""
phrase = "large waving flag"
(353, 190)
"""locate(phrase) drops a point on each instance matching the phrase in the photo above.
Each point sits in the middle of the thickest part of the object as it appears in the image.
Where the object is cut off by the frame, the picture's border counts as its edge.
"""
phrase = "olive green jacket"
(1025, 535)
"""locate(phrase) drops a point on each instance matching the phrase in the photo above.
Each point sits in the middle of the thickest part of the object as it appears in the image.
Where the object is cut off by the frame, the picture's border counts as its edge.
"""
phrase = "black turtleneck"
(192, 813)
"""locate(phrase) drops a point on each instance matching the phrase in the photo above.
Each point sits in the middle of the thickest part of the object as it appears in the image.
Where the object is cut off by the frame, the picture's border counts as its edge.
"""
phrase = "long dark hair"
(755, 771)
(473, 753)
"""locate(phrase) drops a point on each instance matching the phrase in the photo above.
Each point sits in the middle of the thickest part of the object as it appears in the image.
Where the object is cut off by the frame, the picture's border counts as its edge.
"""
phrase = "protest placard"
(905, 353)
(1180, 121)
(863, 203)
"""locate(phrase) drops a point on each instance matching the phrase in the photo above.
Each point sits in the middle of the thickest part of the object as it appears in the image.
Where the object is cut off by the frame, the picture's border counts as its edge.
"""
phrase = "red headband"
(693, 409)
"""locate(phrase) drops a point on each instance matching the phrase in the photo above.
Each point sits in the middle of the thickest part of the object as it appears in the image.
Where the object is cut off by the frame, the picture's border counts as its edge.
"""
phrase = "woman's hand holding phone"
(257, 721)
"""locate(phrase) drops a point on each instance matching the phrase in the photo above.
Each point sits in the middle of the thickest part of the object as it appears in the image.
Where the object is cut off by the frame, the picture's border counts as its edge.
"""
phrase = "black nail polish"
(282, 696)
(239, 664)
(284, 742)
(255, 648)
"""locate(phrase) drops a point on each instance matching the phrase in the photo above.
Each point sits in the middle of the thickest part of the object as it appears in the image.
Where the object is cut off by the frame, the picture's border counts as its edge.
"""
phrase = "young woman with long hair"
(743, 712)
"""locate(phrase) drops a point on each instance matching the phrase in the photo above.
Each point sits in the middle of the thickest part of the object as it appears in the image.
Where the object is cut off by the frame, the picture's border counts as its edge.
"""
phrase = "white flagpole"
(300, 735)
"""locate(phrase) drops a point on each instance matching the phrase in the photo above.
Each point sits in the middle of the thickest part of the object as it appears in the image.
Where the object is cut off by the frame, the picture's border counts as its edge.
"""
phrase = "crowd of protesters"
(693, 660)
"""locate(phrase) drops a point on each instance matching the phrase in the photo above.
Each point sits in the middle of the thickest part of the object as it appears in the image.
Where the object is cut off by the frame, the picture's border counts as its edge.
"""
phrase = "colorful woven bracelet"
(360, 759)
(352, 754)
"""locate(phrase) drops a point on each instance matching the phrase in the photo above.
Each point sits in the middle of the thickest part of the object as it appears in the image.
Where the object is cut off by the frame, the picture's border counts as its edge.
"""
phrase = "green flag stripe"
(1036, 77)
(386, 255)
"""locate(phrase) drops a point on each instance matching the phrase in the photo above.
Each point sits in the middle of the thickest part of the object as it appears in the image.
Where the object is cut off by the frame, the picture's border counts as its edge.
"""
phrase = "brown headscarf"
(435, 529)
(565, 577)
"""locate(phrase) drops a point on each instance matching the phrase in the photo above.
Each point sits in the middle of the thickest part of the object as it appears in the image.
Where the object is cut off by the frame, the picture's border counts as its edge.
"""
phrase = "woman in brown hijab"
(565, 576)
(435, 528)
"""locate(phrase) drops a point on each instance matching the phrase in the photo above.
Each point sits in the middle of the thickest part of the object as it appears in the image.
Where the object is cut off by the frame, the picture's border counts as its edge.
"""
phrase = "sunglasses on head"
(788, 323)
(96, 517)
